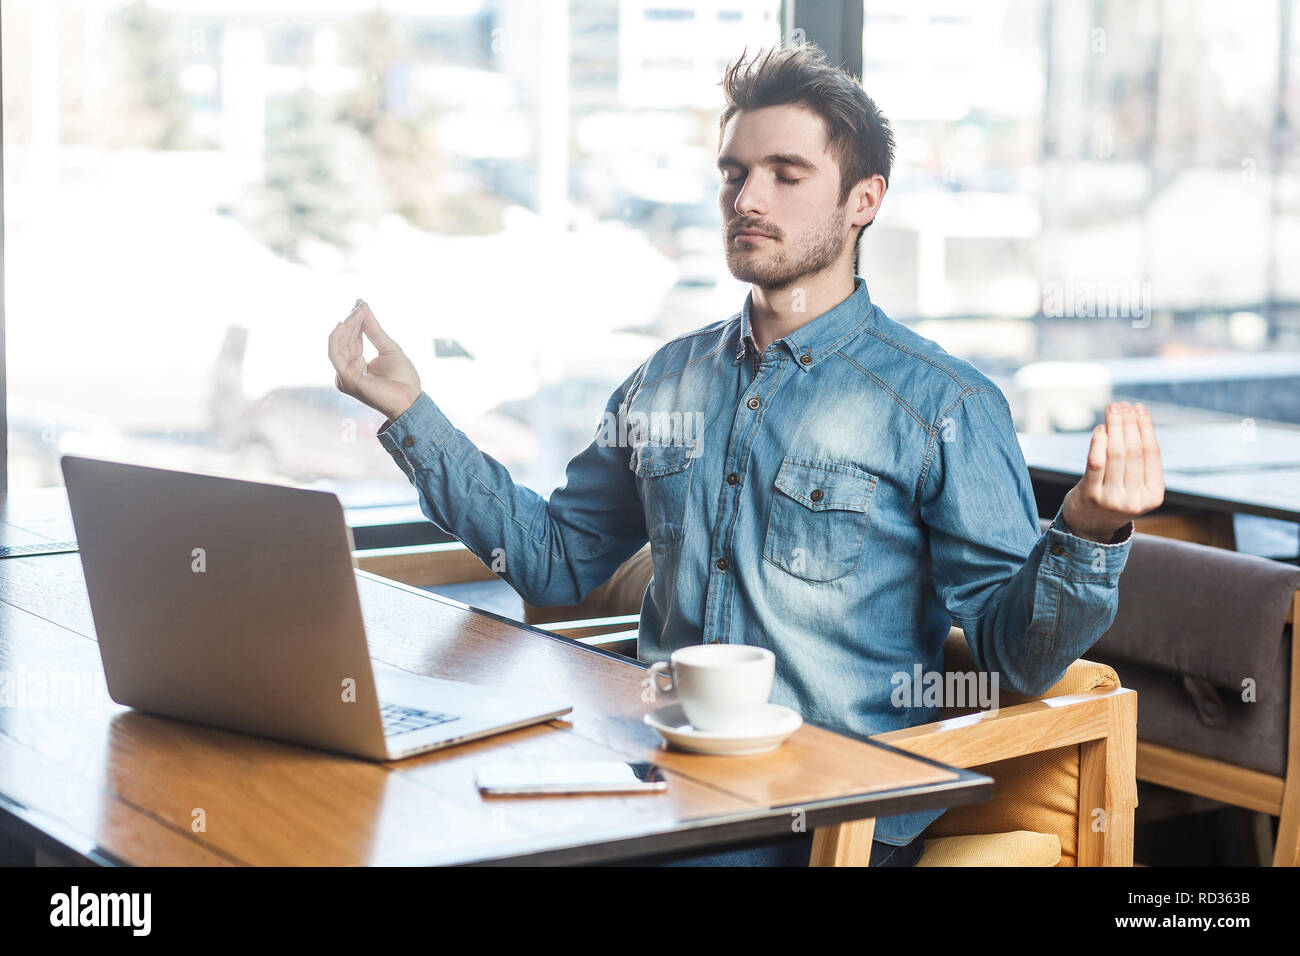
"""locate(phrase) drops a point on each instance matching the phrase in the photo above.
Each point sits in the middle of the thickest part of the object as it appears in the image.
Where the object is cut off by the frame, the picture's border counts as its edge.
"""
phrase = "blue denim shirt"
(840, 499)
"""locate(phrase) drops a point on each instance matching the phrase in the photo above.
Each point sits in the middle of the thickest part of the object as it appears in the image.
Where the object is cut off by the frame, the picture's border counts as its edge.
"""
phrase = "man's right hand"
(388, 383)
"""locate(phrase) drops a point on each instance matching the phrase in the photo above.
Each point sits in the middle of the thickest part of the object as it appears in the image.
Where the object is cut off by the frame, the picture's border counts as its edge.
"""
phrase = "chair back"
(1200, 635)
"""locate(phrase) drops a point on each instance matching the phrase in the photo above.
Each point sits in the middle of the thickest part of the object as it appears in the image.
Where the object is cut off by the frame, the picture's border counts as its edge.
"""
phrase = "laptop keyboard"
(403, 720)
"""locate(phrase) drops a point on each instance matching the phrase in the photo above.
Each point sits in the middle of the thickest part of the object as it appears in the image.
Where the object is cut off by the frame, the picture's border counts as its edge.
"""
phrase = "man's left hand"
(1123, 479)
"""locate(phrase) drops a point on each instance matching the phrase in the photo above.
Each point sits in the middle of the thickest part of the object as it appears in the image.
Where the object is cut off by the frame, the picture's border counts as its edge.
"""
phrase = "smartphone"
(560, 776)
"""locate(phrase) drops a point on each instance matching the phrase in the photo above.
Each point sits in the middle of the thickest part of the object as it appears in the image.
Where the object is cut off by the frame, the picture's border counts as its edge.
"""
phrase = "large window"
(196, 192)
(1109, 187)
(1092, 198)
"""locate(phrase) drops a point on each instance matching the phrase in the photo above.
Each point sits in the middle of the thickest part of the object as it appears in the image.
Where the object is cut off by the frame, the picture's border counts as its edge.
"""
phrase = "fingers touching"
(345, 345)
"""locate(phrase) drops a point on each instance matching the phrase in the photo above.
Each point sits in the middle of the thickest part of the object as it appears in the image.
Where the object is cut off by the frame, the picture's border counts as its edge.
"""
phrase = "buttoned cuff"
(416, 434)
(1082, 559)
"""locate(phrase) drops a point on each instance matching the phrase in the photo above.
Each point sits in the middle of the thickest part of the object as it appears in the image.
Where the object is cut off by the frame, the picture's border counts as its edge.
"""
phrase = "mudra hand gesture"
(1123, 479)
(388, 383)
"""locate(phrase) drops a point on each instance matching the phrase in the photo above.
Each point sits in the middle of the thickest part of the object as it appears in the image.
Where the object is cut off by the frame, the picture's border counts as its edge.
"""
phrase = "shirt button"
(806, 358)
(1058, 549)
(722, 564)
(816, 494)
(409, 442)
(752, 403)
(733, 478)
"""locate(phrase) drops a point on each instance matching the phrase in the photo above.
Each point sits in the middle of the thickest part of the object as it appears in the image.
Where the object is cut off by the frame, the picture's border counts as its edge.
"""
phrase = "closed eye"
(731, 180)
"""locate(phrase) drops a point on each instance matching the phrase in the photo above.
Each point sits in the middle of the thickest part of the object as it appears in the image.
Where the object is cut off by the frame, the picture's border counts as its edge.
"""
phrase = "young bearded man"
(812, 477)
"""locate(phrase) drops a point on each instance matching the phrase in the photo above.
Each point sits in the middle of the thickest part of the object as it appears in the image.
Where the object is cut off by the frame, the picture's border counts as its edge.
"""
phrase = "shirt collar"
(817, 338)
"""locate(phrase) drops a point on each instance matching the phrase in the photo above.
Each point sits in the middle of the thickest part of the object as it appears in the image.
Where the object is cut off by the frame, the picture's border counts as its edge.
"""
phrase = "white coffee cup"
(723, 688)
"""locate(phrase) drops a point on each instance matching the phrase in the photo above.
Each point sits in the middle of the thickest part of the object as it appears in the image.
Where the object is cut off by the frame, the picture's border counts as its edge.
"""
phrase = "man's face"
(778, 179)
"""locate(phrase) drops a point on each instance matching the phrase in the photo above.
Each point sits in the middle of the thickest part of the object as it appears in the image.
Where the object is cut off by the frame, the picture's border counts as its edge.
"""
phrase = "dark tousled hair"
(857, 133)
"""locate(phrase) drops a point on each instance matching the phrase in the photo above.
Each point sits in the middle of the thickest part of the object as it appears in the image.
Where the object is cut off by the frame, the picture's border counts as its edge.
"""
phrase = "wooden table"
(1212, 472)
(110, 785)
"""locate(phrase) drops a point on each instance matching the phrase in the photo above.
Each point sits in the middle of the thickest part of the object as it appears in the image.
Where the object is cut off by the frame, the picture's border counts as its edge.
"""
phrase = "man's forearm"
(1052, 610)
(551, 553)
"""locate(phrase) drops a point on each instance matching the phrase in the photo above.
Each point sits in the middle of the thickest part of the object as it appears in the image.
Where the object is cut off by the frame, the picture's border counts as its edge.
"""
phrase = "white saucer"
(775, 724)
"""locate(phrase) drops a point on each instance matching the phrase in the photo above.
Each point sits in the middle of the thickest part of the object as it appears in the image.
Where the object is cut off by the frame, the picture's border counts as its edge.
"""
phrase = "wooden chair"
(1064, 763)
(1063, 766)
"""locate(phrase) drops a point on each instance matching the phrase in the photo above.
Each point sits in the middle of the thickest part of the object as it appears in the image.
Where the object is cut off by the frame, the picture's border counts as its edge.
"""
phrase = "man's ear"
(866, 198)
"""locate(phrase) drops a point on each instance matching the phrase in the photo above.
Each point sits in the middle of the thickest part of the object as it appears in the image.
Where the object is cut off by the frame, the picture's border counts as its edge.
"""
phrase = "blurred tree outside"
(320, 178)
(333, 162)
(388, 111)
(156, 115)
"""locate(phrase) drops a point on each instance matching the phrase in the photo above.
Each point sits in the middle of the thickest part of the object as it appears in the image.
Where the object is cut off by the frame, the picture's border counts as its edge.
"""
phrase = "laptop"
(234, 603)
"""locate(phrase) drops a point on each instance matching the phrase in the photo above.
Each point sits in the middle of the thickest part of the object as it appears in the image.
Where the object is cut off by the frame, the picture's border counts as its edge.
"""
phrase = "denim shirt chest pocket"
(818, 519)
(663, 474)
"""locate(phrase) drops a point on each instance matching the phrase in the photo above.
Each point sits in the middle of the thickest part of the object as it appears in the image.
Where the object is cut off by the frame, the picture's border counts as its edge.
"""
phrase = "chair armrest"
(622, 643)
(618, 634)
(988, 735)
(593, 626)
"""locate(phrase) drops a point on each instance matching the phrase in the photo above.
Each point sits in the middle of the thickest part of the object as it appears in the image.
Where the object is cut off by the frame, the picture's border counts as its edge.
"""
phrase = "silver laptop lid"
(225, 601)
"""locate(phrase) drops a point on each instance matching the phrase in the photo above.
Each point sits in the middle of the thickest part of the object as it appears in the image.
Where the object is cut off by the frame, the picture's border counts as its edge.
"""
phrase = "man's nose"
(752, 198)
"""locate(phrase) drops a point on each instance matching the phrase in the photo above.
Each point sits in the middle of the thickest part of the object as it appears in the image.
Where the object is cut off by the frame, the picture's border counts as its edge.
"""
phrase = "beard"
(782, 268)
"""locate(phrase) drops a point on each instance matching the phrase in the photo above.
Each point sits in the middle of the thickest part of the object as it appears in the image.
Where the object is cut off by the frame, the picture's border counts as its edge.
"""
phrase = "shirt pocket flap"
(650, 459)
(824, 486)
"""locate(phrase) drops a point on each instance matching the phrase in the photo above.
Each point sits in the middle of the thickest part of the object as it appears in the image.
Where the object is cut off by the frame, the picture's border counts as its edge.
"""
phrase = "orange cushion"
(1018, 848)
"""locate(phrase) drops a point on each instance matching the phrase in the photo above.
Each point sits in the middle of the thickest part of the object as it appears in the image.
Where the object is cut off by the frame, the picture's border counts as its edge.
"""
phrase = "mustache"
(738, 228)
